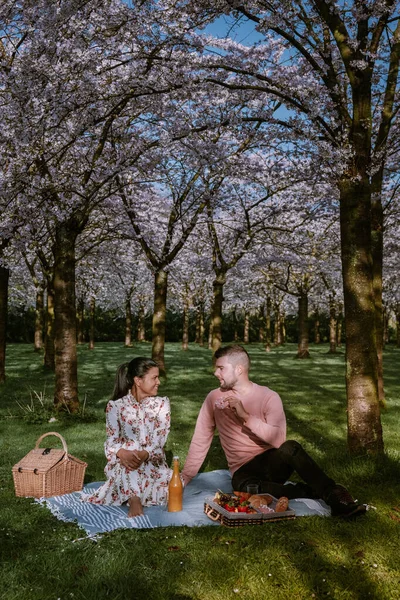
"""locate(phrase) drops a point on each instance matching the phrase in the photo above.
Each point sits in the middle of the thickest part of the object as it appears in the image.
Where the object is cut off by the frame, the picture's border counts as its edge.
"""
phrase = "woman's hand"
(132, 459)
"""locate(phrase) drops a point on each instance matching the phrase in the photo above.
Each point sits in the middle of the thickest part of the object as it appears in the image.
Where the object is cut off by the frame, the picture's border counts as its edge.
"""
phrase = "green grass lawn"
(311, 557)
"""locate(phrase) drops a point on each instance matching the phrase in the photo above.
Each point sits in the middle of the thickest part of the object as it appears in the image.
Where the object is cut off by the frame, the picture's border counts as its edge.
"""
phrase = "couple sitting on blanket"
(252, 429)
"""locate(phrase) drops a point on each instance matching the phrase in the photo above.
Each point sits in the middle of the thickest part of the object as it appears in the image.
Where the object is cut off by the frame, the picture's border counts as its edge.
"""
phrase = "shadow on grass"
(325, 557)
(305, 557)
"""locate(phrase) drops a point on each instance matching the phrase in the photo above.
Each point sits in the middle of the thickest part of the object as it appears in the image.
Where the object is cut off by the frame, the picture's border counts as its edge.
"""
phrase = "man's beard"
(226, 386)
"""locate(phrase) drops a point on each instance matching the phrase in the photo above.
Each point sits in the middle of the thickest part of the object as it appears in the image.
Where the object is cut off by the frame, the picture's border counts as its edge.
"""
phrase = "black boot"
(343, 504)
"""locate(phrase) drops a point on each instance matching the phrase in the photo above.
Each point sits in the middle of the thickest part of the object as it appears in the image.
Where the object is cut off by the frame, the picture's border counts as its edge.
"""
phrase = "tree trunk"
(159, 317)
(39, 320)
(246, 329)
(317, 332)
(80, 321)
(302, 348)
(49, 350)
(398, 325)
(66, 371)
(332, 325)
(216, 310)
(197, 334)
(210, 334)
(385, 327)
(141, 328)
(4, 278)
(202, 327)
(92, 314)
(268, 325)
(363, 413)
(185, 329)
(277, 326)
(261, 329)
(377, 272)
(235, 326)
(200, 324)
(282, 328)
(128, 323)
(339, 330)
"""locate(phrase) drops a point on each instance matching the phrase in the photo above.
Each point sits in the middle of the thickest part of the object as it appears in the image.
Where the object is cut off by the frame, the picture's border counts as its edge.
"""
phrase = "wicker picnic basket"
(45, 472)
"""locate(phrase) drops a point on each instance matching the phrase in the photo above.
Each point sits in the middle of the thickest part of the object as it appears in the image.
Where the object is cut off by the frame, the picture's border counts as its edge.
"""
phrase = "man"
(252, 428)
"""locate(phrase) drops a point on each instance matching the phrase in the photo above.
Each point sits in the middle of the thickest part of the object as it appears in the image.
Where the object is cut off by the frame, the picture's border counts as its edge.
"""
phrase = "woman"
(137, 424)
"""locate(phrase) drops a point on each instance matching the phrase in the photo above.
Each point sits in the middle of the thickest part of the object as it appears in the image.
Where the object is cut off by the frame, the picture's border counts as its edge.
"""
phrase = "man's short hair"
(236, 354)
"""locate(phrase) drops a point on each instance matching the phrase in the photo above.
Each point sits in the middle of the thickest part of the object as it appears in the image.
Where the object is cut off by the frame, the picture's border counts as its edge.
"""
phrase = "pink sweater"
(264, 429)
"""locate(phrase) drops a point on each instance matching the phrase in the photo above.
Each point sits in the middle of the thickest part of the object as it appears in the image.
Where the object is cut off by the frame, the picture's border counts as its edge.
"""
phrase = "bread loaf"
(282, 504)
(257, 500)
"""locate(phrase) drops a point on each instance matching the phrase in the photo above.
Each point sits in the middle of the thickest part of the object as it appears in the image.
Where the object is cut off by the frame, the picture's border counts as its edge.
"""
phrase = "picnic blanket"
(96, 519)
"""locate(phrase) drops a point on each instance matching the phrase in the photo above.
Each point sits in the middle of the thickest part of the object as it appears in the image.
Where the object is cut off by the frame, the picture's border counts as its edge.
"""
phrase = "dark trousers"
(272, 468)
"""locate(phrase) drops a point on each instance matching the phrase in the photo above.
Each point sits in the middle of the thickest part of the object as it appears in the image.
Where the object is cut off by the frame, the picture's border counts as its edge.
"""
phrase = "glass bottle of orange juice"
(175, 488)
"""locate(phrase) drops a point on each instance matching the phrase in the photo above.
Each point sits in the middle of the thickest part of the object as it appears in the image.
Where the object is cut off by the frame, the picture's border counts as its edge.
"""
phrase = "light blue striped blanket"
(96, 519)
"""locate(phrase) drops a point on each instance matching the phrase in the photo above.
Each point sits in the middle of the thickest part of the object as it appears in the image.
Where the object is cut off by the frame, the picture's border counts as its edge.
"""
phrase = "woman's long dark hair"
(138, 367)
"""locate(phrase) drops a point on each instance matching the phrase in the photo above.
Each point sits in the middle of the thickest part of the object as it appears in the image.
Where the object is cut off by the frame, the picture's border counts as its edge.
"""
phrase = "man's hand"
(237, 407)
(132, 459)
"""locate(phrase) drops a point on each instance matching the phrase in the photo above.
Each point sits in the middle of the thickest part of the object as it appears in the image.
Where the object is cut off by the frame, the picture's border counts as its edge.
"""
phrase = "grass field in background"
(307, 558)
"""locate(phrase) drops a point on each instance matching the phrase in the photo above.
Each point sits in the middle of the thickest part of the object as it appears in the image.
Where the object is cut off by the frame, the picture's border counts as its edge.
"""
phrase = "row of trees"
(133, 139)
(96, 325)
(263, 296)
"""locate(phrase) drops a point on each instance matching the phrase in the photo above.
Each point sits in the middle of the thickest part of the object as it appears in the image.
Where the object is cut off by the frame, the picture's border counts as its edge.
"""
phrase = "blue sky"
(242, 32)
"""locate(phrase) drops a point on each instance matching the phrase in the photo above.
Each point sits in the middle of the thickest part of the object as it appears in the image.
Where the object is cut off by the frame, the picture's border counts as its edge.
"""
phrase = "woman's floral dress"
(135, 425)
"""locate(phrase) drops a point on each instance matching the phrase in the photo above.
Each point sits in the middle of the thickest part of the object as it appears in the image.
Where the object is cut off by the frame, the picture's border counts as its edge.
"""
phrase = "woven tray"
(215, 512)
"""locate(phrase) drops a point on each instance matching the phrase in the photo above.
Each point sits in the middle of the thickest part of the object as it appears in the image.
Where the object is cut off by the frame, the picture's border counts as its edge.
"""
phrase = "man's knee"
(290, 447)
